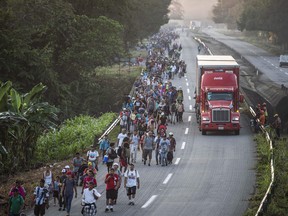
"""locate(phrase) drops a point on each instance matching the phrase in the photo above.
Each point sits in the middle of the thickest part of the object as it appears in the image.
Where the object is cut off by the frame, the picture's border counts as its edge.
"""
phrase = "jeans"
(68, 199)
(157, 156)
(163, 158)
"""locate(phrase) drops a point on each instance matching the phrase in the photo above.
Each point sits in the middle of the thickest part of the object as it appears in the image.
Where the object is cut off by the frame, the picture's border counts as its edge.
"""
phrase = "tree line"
(61, 42)
(260, 15)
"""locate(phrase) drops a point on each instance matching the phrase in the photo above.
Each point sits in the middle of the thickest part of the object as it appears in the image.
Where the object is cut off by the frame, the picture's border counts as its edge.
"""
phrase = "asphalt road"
(210, 175)
(263, 61)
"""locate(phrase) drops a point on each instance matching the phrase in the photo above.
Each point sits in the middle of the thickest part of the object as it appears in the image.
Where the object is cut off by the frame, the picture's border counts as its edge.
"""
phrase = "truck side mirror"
(241, 98)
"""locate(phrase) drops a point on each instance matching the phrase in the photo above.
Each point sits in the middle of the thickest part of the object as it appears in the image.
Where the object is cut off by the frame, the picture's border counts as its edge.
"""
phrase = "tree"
(23, 118)
(266, 15)
(176, 10)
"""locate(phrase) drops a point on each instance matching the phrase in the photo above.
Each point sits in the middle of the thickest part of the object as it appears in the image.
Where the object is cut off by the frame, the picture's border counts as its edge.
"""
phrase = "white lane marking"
(152, 198)
(186, 79)
(190, 107)
(186, 130)
(189, 97)
(177, 161)
(167, 178)
(188, 91)
(183, 145)
(189, 118)
(187, 84)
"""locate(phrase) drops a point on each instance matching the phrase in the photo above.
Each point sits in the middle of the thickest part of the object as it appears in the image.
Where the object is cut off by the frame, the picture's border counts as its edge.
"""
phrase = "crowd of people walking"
(144, 121)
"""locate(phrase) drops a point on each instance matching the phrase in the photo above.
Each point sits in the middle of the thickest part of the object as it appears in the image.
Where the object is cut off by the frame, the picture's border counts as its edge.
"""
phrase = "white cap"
(171, 133)
(116, 164)
(63, 171)
(67, 167)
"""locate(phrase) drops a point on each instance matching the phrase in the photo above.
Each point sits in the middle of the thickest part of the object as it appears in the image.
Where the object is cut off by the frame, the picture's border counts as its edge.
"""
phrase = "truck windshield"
(211, 96)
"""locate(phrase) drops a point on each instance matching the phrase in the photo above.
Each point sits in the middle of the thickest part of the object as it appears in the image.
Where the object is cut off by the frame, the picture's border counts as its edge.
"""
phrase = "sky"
(197, 9)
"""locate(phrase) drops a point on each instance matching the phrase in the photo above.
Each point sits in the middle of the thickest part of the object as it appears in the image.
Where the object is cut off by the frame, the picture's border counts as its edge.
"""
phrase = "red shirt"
(88, 179)
(112, 182)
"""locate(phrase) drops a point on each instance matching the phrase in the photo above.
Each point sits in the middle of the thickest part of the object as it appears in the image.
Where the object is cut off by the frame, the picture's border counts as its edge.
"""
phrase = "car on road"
(283, 60)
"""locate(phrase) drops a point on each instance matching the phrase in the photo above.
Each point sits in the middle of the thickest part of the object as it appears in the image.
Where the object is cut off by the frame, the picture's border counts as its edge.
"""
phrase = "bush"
(74, 135)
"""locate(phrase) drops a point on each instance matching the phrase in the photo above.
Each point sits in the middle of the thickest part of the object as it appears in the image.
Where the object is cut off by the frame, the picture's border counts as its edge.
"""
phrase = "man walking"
(131, 182)
(90, 195)
(16, 203)
(148, 146)
(40, 199)
(112, 185)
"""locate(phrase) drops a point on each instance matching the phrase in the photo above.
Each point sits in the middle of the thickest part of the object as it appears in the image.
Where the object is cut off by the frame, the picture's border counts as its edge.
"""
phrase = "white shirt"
(120, 137)
(88, 197)
(92, 155)
(134, 145)
(131, 177)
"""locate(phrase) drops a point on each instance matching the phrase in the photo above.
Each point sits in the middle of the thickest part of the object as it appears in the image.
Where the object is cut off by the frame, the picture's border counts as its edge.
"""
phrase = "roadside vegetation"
(277, 200)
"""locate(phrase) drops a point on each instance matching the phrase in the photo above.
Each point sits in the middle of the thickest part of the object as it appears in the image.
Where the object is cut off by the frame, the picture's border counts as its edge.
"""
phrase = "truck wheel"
(237, 132)
(203, 132)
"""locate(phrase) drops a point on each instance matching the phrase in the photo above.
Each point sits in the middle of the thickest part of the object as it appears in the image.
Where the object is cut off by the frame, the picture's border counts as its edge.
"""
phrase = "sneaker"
(111, 209)
(106, 210)
(144, 162)
(63, 209)
(132, 203)
(148, 164)
(59, 209)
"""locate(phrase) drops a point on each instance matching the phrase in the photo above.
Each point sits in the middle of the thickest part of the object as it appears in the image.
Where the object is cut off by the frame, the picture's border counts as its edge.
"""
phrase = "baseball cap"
(63, 171)
(67, 167)
(115, 164)
(89, 163)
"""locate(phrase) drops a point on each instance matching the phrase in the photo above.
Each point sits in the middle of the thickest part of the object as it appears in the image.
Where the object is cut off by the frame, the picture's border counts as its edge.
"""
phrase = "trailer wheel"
(237, 132)
(203, 132)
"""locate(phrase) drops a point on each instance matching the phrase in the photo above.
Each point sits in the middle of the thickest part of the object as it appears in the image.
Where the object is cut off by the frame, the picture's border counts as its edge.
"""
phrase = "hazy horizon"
(196, 9)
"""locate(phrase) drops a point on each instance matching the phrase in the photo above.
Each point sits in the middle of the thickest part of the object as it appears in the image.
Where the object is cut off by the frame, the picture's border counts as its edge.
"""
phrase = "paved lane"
(210, 175)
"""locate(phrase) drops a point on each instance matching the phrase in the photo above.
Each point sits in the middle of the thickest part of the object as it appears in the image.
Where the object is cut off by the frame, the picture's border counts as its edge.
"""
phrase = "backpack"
(112, 154)
(180, 108)
(119, 151)
(173, 107)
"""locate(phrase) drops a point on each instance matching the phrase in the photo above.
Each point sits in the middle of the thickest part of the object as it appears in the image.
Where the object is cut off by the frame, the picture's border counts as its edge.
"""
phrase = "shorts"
(109, 164)
(111, 194)
(39, 210)
(56, 193)
(131, 190)
(147, 152)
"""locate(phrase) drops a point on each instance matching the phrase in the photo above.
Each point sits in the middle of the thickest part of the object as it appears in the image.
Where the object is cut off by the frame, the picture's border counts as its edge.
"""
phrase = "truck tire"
(203, 132)
(237, 132)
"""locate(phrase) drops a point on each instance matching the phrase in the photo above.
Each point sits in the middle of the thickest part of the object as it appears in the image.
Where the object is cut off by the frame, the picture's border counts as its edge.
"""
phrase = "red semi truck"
(217, 94)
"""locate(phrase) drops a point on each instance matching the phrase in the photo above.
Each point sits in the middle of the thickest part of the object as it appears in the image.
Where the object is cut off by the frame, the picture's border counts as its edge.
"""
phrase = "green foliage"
(73, 135)
(23, 118)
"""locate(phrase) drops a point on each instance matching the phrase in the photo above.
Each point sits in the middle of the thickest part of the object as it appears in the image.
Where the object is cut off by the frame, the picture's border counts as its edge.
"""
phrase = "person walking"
(15, 203)
(62, 202)
(118, 172)
(134, 146)
(148, 146)
(164, 145)
(49, 178)
(277, 125)
(92, 156)
(157, 148)
(112, 185)
(40, 199)
(89, 197)
(77, 162)
(69, 188)
(104, 145)
(112, 155)
(131, 182)
(172, 148)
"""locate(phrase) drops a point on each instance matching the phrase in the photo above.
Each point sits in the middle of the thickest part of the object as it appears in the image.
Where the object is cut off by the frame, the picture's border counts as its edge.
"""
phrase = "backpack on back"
(112, 154)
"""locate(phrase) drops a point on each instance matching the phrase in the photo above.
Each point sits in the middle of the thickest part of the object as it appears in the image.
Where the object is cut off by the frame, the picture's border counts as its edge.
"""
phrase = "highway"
(211, 175)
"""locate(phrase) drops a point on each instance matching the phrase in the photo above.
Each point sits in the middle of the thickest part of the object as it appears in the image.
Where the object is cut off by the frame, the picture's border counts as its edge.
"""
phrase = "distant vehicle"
(283, 61)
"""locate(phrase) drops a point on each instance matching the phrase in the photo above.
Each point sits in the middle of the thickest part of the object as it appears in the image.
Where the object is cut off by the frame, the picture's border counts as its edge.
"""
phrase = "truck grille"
(221, 115)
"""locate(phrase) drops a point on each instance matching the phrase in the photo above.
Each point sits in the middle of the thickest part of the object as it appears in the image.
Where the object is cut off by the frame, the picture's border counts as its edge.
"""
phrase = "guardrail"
(268, 192)
(203, 45)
